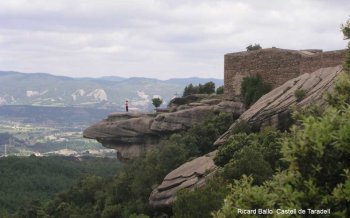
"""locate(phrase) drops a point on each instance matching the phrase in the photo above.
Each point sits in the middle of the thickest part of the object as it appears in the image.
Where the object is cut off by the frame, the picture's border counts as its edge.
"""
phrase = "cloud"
(157, 38)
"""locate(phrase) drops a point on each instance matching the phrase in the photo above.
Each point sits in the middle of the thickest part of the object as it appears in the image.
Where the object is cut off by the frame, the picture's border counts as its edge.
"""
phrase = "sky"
(158, 38)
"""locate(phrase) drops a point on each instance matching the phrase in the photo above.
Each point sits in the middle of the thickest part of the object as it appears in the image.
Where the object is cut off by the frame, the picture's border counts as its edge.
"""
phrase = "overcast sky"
(157, 38)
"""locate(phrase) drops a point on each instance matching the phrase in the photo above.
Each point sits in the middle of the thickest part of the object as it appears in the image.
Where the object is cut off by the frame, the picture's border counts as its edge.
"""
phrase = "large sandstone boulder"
(183, 119)
(133, 133)
(271, 108)
(190, 175)
(128, 133)
(125, 128)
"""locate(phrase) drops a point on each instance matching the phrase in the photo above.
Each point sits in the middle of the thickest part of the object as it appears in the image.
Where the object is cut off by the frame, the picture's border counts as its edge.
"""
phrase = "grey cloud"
(157, 38)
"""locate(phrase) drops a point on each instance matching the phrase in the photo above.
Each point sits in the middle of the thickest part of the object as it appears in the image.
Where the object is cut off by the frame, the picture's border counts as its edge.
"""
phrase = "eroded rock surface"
(265, 112)
(270, 109)
(129, 133)
(133, 133)
(190, 175)
(183, 119)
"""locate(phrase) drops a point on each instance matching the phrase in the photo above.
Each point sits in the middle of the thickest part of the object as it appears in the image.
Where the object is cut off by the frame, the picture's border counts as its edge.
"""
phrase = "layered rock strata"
(133, 133)
(265, 112)
(190, 175)
(272, 108)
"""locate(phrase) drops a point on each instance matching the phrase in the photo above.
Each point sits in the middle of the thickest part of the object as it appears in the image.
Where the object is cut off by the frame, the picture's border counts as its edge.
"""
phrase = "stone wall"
(274, 65)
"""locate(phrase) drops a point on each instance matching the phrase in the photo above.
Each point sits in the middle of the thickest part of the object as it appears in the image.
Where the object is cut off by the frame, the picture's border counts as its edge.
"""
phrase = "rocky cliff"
(133, 133)
(265, 112)
(190, 175)
(272, 108)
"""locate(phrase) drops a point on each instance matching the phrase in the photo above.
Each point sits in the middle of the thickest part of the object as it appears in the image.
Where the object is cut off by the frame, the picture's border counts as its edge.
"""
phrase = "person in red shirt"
(127, 106)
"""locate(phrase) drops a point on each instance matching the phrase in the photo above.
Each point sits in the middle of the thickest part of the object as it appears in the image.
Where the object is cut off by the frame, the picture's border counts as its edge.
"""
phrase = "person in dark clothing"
(127, 106)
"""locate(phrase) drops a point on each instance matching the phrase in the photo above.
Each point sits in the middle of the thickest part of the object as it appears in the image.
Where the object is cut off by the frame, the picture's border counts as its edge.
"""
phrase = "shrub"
(200, 138)
(252, 88)
(254, 154)
(341, 93)
(201, 201)
(207, 88)
(242, 126)
(220, 90)
(235, 143)
(300, 94)
(253, 47)
(285, 121)
(157, 102)
(248, 161)
(268, 142)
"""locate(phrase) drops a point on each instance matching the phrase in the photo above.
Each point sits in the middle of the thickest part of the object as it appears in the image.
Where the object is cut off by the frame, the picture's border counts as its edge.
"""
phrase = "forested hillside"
(127, 194)
(27, 180)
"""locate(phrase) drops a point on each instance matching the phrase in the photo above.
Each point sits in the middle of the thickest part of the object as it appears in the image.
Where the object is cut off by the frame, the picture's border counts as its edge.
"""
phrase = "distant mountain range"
(43, 89)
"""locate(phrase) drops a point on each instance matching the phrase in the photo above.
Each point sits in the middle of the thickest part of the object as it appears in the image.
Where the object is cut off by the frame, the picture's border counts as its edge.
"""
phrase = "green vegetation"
(346, 31)
(253, 47)
(220, 90)
(202, 201)
(252, 88)
(317, 157)
(24, 139)
(24, 180)
(245, 154)
(306, 168)
(317, 176)
(207, 88)
(157, 102)
(300, 94)
(257, 155)
(128, 192)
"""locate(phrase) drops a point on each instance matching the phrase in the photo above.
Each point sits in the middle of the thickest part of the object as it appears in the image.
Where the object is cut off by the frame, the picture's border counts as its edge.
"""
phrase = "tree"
(253, 47)
(220, 90)
(157, 102)
(188, 90)
(346, 31)
(207, 88)
(252, 88)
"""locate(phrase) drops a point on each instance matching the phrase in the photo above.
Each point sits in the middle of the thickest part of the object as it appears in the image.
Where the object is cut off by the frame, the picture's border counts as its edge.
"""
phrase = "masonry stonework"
(274, 65)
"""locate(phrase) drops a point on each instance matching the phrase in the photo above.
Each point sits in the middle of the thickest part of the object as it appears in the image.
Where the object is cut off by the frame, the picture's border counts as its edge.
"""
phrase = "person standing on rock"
(126, 106)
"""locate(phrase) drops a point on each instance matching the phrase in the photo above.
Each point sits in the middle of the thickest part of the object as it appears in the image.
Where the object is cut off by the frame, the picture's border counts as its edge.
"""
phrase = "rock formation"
(190, 175)
(271, 108)
(133, 133)
(265, 112)
(129, 133)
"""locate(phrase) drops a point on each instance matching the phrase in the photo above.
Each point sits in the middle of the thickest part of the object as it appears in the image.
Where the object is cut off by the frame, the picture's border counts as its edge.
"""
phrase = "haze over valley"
(45, 114)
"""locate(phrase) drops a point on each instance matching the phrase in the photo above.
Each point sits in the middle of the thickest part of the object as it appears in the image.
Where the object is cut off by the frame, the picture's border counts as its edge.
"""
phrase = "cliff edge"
(133, 133)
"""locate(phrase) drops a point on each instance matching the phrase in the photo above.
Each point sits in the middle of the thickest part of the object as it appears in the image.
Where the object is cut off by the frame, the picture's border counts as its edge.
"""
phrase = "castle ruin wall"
(275, 66)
